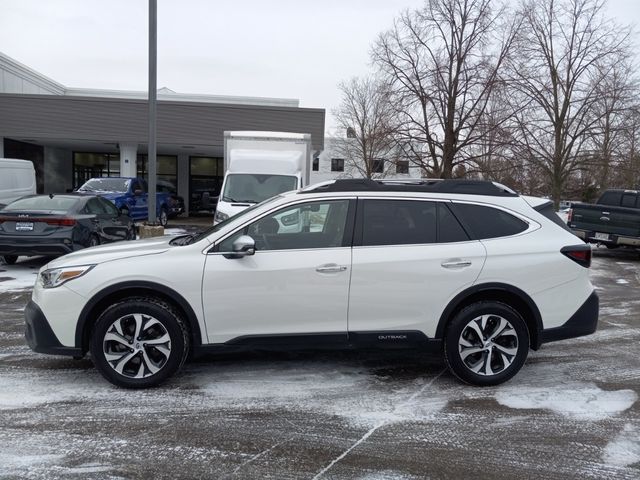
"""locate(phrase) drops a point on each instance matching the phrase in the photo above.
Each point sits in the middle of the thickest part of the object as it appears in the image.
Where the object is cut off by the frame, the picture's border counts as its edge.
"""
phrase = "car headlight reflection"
(54, 277)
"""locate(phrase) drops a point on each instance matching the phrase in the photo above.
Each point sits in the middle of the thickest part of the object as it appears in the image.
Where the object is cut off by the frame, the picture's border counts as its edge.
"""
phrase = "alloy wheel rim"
(137, 345)
(488, 345)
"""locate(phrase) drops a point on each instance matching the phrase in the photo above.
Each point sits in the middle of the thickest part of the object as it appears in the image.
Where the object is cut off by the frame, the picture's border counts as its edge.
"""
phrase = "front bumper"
(40, 336)
(583, 322)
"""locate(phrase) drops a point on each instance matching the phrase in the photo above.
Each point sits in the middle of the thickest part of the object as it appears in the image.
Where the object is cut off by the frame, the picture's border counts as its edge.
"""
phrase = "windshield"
(224, 223)
(106, 185)
(44, 203)
(254, 188)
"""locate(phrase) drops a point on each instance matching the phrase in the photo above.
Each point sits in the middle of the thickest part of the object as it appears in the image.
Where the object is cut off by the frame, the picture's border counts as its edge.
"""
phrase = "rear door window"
(487, 222)
(398, 222)
(449, 229)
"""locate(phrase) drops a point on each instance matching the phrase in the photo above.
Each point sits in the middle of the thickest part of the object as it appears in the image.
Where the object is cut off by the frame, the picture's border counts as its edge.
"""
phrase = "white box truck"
(17, 179)
(260, 165)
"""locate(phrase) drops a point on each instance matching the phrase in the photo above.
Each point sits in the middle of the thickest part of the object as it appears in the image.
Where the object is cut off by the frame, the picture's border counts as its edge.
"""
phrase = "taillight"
(57, 221)
(581, 254)
(60, 222)
(569, 215)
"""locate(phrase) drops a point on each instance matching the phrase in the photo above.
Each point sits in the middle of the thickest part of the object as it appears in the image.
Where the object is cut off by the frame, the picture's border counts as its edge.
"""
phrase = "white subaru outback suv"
(468, 268)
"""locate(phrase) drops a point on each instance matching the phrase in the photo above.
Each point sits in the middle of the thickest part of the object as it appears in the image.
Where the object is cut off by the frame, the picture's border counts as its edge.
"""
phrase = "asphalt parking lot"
(572, 412)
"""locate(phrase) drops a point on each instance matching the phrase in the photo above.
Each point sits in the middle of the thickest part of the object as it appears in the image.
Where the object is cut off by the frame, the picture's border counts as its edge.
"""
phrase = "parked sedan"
(59, 224)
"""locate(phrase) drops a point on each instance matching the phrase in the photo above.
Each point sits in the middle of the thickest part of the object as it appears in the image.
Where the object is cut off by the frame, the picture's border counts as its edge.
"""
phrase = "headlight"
(219, 217)
(54, 277)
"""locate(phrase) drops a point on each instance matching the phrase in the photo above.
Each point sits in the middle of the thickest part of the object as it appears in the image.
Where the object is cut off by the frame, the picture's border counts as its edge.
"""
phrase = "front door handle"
(330, 268)
(456, 263)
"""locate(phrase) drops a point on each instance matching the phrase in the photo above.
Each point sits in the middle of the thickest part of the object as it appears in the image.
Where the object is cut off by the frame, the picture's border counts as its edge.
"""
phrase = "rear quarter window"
(484, 222)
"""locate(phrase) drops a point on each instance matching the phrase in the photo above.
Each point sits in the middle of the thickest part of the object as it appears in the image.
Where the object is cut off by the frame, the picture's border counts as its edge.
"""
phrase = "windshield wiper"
(228, 199)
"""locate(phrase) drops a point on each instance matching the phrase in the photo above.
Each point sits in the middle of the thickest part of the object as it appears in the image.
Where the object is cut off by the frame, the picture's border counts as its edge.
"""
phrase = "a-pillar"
(128, 163)
(1, 147)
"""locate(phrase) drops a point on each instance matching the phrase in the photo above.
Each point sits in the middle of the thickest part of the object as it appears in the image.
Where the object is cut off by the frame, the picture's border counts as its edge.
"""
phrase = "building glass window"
(402, 166)
(337, 164)
(316, 164)
(167, 172)
(87, 165)
(205, 181)
(377, 166)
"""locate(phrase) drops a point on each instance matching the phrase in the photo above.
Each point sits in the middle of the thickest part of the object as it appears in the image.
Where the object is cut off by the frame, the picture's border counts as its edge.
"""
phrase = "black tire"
(94, 240)
(164, 216)
(496, 370)
(131, 233)
(170, 322)
(10, 259)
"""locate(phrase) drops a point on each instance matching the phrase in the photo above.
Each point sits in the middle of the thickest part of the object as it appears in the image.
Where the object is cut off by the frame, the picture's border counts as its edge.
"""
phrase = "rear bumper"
(583, 322)
(22, 246)
(40, 336)
(590, 237)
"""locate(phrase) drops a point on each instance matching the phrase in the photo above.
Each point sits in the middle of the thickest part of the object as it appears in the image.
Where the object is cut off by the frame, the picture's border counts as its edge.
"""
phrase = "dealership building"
(74, 134)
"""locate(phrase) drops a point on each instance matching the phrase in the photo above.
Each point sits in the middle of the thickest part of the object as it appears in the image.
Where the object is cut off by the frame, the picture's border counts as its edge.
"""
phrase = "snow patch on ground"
(624, 450)
(576, 400)
(17, 277)
(310, 388)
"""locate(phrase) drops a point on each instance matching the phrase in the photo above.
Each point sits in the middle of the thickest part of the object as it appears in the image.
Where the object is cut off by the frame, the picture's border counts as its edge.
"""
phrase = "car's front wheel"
(139, 342)
(486, 343)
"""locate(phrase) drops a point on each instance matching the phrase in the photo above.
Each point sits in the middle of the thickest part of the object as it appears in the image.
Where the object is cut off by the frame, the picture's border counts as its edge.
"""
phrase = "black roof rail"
(431, 185)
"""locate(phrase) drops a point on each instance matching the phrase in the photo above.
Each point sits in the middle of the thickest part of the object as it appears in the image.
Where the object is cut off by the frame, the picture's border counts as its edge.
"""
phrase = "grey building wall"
(18, 78)
(59, 117)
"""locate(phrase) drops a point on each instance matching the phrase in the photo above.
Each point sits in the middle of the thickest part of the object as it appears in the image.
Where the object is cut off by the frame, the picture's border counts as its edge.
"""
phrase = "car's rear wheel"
(10, 259)
(94, 240)
(486, 343)
(139, 342)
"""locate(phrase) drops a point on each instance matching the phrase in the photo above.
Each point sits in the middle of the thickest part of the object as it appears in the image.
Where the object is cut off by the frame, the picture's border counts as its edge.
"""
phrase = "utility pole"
(151, 157)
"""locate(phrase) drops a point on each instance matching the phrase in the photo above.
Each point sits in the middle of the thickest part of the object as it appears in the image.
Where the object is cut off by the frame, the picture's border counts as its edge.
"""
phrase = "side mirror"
(242, 247)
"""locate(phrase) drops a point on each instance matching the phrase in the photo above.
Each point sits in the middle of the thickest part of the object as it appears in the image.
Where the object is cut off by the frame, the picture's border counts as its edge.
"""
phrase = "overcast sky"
(266, 48)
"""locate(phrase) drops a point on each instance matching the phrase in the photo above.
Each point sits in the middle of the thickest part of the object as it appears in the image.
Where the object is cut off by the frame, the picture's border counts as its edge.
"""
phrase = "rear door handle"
(456, 263)
(330, 268)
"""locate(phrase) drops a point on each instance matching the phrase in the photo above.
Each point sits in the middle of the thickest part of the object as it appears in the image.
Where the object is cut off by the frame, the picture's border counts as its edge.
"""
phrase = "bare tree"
(365, 114)
(564, 51)
(442, 62)
(614, 97)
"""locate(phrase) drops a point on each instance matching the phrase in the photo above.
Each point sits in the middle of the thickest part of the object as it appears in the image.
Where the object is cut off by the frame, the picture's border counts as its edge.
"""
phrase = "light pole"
(151, 157)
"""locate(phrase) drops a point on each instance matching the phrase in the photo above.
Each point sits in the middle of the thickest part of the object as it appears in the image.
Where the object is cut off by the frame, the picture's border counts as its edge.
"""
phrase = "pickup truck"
(130, 195)
(614, 220)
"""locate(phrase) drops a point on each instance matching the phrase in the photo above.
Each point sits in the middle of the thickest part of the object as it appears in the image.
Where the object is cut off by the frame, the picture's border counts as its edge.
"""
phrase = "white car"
(468, 268)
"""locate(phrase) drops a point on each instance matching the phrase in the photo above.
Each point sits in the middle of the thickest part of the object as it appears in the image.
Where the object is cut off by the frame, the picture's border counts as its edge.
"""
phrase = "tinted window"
(629, 200)
(610, 198)
(307, 225)
(449, 229)
(94, 207)
(398, 222)
(43, 203)
(488, 222)
(109, 207)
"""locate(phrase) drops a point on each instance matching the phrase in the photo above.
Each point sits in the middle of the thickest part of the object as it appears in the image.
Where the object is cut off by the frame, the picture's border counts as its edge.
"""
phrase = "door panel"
(296, 282)
(406, 287)
(277, 292)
